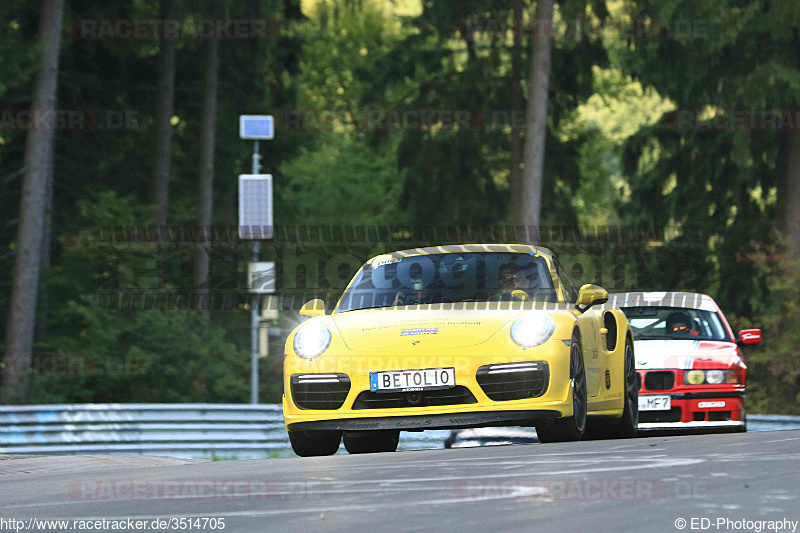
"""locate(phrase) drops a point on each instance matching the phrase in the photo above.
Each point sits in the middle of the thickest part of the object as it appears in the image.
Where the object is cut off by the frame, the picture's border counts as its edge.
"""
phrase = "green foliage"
(615, 155)
(347, 175)
(344, 182)
(720, 182)
(103, 177)
(774, 365)
(17, 45)
(618, 108)
(133, 355)
(459, 68)
(143, 356)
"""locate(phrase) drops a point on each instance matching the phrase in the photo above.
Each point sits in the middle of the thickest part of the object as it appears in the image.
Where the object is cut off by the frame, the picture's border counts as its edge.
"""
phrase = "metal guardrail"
(180, 430)
(207, 431)
(210, 431)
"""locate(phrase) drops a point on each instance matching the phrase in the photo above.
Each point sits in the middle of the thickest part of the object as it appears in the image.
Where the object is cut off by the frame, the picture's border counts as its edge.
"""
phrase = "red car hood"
(685, 354)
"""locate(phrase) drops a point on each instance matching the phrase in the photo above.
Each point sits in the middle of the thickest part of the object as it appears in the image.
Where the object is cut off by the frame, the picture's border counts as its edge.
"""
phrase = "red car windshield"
(648, 322)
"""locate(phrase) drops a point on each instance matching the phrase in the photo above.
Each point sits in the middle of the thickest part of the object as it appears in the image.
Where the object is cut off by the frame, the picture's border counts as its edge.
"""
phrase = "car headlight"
(710, 377)
(312, 339)
(532, 328)
(695, 377)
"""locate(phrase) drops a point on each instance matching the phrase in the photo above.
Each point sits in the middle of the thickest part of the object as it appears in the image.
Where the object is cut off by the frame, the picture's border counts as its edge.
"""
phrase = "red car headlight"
(711, 377)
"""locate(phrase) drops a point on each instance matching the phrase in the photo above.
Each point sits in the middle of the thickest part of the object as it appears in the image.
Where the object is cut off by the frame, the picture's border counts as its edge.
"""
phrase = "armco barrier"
(181, 430)
(208, 431)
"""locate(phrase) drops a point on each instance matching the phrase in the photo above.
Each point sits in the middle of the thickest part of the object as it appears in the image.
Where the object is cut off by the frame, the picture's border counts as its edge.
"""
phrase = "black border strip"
(435, 421)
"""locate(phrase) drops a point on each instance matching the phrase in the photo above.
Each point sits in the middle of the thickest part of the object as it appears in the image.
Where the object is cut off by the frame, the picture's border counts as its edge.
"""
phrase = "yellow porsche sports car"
(458, 337)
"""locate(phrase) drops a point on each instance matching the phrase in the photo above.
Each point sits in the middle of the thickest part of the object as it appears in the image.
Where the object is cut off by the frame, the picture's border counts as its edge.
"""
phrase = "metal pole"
(254, 308)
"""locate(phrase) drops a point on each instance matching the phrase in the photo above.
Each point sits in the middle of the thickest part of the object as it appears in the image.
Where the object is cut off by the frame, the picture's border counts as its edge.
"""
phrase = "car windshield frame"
(708, 325)
(449, 277)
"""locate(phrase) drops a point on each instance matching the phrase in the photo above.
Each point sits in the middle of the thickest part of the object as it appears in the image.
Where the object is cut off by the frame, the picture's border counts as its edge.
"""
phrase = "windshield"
(649, 322)
(450, 277)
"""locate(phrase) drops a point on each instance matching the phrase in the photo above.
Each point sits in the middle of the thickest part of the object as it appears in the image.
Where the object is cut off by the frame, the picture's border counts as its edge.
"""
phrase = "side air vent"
(514, 381)
(319, 391)
(610, 323)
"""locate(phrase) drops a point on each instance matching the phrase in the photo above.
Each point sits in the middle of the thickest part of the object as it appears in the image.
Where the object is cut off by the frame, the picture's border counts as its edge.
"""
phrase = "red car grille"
(659, 380)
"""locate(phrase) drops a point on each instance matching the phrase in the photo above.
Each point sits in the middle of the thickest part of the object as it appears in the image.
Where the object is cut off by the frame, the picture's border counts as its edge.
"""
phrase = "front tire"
(573, 427)
(625, 427)
(315, 443)
(371, 441)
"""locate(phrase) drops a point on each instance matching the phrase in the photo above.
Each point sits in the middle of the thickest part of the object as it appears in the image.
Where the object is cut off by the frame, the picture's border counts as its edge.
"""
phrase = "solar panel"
(256, 127)
(255, 206)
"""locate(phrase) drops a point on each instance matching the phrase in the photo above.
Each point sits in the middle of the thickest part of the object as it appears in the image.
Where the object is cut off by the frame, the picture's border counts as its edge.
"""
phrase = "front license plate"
(412, 380)
(654, 403)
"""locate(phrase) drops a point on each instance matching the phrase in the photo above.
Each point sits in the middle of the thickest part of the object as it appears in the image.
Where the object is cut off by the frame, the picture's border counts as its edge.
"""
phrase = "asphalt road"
(616, 485)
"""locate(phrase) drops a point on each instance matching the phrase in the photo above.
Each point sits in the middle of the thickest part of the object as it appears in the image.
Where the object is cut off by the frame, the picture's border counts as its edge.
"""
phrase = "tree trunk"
(536, 116)
(46, 250)
(39, 148)
(787, 208)
(166, 108)
(207, 146)
(515, 175)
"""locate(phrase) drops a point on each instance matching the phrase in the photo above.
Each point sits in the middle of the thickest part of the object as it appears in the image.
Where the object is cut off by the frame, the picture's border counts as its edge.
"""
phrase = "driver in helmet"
(512, 282)
(680, 323)
(416, 296)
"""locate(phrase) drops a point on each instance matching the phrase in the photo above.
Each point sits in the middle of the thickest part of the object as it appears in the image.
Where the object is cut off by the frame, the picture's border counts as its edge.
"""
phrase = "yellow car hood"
(383, 330)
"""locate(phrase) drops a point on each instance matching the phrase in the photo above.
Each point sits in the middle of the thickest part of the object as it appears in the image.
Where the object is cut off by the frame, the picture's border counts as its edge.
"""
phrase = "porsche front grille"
(319, 391)
(514, 381)
(394, 400)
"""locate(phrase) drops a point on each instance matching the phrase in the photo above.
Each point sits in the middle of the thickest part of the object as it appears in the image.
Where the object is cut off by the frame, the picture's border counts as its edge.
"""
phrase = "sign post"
(255, 219)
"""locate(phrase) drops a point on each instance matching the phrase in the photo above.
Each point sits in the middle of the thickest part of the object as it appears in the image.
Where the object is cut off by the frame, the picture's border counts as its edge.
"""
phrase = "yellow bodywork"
(477, 334)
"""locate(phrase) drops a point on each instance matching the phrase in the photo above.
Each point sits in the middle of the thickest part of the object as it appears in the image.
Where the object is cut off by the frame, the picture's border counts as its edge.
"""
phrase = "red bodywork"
(701, 407)
(716, 404)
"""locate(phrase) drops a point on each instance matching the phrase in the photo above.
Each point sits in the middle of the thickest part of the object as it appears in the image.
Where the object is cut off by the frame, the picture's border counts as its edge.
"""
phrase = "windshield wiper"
(378, 306)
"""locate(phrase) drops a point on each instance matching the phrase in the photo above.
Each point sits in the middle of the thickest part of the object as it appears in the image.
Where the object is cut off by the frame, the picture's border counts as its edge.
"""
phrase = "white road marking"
(512, 494)
(439, 461)
(657, 463)
(779, 440)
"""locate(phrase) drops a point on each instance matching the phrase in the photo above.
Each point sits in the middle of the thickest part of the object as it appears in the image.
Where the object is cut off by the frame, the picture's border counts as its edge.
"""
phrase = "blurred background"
(653, 145)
